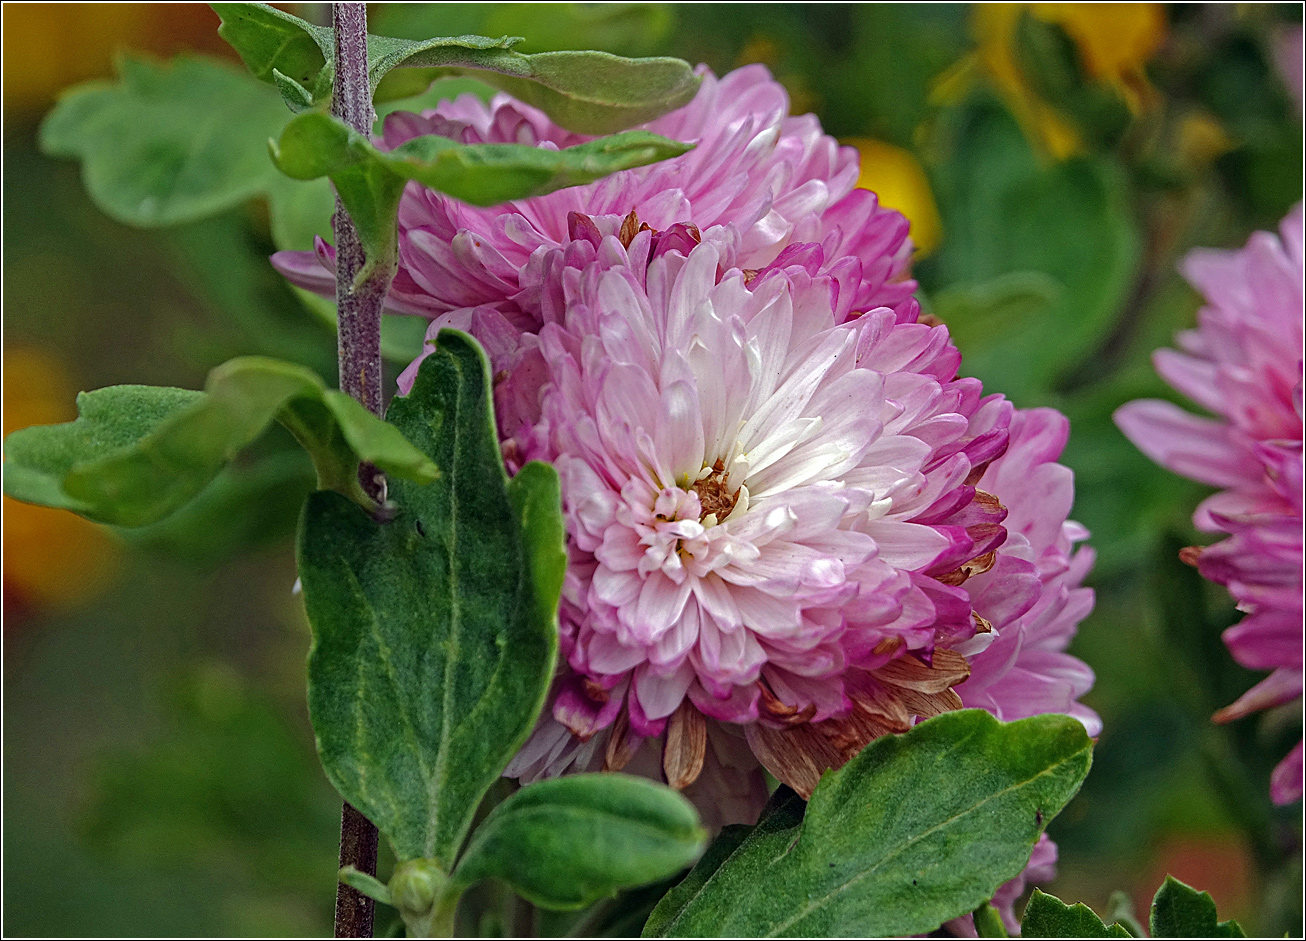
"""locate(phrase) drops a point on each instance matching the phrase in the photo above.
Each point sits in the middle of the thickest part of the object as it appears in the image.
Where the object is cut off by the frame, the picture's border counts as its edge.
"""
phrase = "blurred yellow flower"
(1114, 42)
(1200, 139)
(52, 558)
(896, 176)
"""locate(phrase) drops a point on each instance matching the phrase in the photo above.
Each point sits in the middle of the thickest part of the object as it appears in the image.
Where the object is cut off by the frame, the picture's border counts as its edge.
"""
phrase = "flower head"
(1244, 364)
(773, 477)
(777, 180)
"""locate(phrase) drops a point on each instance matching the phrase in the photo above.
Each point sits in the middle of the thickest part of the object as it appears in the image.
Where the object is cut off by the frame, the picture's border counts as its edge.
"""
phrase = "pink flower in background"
(1244, 364)
(1288, 52)
(777, 180)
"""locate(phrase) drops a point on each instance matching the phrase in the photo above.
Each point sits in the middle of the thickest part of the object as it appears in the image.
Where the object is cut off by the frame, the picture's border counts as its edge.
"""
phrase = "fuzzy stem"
(359, 348)
(358, 305)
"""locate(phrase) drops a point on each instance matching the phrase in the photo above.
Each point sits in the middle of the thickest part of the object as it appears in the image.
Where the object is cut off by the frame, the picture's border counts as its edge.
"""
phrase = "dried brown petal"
(882, 705)
(686, 746)
(947, 669)
(796, 756)
(927, 705)
(629, 229)
(779, 710)
(850, 734)
(621, 744)
(887, 646)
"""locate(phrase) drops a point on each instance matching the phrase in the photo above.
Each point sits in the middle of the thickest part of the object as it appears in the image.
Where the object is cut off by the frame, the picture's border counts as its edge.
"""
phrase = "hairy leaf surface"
(917, 829)
(434, 634)
(567, 842)
(136, 454)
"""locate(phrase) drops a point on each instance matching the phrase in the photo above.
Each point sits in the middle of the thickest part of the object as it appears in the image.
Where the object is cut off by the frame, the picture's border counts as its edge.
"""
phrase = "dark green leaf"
(588, 92)
(271, 41)
(775, 832)
(974, 312)
(1180, 911)
(567, 842)
(168, 143)
(1046, 916)
(135, 454)
(434, 634)
(917, 829)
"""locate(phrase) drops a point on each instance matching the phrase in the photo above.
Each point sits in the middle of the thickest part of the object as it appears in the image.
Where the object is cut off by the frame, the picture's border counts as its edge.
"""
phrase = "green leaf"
(316, 145)
(370, 886)
(1004, 211)
(1180, 911)
(1120, 909)
(245, 507)
(974, 312)
(135, 454)
(1046, 916)
(370, 182)
(270, 41)
(568, 842)
(587, 92)
(988, 922)
(434, 635)
(917, 829)
(168, 143)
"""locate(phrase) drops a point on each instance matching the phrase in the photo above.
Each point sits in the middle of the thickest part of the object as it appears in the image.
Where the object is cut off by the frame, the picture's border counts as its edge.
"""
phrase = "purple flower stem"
(359, 347)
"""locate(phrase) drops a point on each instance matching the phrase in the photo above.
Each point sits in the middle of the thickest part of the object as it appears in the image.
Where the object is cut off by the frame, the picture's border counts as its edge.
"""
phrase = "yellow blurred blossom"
(1114, 41)
(52, 558)
(1201, 139)
(896, 176)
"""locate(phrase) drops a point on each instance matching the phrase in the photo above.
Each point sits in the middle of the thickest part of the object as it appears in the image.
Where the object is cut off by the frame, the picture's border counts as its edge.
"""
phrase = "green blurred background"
(1055, 161)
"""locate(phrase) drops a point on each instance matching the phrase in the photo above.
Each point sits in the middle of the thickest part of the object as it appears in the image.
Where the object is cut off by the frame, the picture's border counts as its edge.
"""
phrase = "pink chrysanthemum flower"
(774, 481)
(768, 505)
(1033, 595)
(778, 180)
(1244, 364)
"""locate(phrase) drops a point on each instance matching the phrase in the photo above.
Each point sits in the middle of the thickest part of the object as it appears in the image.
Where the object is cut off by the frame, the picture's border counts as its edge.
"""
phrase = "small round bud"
(415, 886)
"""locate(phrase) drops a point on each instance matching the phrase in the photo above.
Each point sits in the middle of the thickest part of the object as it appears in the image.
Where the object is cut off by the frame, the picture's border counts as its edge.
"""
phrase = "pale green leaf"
(567, 842)
(136, 454)
(168, 143)
(587, 92)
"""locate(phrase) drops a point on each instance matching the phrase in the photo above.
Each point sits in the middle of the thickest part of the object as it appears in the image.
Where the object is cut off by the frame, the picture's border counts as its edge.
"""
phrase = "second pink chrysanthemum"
(1244, 364)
